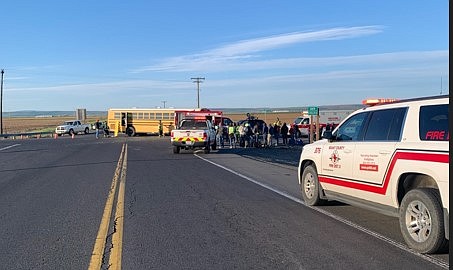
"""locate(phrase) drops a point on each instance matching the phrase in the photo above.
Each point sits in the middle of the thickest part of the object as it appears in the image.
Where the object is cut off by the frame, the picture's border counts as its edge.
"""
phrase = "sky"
(64, 55)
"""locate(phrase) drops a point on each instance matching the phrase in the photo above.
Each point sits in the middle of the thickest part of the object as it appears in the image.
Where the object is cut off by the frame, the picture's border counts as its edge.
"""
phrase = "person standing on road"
(97, 127)
(161, 129)
(284, 132)
(269, 135)
(231, 135)
(265, 132)
(248, 134)
(276, 133)
(241, 130)
(297, 134)
(219, 135)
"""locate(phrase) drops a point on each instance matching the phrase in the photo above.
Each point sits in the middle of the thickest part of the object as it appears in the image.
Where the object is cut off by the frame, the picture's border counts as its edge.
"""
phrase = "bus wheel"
(130, 131)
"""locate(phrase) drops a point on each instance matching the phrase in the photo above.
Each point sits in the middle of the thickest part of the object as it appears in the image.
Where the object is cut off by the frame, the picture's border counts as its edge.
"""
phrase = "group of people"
(98, 126)
(244, 135)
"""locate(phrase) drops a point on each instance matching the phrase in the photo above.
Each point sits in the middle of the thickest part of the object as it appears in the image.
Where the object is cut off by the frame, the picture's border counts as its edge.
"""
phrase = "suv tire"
(422, 222)
(310, 187)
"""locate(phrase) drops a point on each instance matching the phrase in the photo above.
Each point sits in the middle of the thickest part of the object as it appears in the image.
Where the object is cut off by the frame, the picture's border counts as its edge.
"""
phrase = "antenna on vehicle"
(441, 85)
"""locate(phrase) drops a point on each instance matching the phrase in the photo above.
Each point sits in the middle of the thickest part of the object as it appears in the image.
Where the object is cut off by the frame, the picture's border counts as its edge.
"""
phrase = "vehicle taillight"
(172, 134)
(205, 135)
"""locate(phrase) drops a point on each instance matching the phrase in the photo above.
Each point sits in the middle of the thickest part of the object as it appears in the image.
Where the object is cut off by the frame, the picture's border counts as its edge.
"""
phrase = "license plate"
(189, 142)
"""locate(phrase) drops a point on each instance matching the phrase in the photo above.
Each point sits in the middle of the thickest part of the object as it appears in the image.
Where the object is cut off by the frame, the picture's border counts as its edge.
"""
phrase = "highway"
(224, 210)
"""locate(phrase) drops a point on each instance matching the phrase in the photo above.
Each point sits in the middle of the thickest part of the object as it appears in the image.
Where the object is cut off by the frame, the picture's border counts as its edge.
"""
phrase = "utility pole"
(198, 80)
(1, 104)
(164, 101)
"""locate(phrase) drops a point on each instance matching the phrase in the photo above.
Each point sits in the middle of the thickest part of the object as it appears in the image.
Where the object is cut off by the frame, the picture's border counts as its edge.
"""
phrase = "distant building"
(81, 114)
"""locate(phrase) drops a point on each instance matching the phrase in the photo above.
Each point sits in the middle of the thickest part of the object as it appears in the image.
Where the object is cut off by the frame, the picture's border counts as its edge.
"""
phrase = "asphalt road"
(231, 209)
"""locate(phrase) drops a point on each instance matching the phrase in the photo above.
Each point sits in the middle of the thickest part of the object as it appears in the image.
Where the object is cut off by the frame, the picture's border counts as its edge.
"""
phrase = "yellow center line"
(99, 245)
(117, 239)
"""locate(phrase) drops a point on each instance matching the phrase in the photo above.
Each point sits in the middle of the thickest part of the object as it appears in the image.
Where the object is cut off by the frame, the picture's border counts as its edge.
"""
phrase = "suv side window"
(434, 123)
(351, 128)
(385, 125)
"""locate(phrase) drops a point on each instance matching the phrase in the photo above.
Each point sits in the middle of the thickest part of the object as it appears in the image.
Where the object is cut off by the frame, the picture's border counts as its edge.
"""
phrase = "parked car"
(72, 127)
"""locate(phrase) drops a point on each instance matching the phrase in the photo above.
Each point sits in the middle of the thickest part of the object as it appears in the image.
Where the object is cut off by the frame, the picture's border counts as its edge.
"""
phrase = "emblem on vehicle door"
(335, 159)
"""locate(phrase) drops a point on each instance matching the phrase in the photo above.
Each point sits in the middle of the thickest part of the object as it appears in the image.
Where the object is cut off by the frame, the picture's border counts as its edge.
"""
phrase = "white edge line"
(8, 147)
(428, 258)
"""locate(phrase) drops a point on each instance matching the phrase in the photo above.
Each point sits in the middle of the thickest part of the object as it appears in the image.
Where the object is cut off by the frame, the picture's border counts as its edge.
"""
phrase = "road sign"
(313, 110)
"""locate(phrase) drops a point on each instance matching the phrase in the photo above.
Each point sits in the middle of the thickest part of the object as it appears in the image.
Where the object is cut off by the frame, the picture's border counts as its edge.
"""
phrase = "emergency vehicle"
(215, 116)
(195, 129)
(327, 117)
(391, 158)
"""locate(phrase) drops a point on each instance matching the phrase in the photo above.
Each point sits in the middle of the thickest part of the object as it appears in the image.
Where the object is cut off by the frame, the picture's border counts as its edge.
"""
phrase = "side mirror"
(327, 135)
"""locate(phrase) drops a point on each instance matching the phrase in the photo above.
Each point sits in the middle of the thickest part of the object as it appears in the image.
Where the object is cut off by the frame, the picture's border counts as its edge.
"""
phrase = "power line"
(198, 80)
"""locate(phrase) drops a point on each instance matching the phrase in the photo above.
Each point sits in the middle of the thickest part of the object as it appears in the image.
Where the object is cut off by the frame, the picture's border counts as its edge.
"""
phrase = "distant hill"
(289, 109)
(30, 113)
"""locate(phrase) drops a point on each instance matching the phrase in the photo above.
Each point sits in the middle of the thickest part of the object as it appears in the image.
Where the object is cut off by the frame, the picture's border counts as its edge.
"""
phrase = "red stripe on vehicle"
(430, 157)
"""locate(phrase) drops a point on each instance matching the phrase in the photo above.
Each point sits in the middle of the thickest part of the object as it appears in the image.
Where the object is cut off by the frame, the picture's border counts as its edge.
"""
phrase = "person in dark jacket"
(284, 132)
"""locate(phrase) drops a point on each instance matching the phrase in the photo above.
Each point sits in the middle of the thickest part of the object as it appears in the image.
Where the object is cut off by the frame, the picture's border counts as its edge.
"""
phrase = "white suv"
(391, 158)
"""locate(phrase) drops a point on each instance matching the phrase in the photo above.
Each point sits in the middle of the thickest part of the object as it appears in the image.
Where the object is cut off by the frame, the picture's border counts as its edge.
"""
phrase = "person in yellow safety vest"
(278, 122)
(231, 135)
(237, 136)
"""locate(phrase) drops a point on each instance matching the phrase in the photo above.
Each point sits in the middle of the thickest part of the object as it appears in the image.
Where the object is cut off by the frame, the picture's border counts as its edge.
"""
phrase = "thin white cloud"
(397, 64)
(278, 41)
(246, 49)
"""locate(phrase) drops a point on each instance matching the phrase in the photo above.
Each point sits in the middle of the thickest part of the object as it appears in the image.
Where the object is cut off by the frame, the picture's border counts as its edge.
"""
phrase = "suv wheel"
(310, 186)
(422, 222)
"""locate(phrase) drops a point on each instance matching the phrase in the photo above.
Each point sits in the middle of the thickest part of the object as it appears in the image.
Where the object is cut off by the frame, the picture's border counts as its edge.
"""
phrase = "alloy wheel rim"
(418, 221)
(309, 185)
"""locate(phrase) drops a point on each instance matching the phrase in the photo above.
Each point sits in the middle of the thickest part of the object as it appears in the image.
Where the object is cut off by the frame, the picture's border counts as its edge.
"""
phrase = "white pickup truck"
(193, 134)
(72, 127)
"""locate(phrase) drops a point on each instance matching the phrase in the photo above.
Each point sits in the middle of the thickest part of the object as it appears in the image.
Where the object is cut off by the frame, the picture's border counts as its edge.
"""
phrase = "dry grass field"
(21, 125)
(268, 117)
(45, 124)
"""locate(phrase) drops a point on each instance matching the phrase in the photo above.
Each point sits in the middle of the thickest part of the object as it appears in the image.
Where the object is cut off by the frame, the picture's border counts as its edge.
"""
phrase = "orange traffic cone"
(72, 136)
(55, 135)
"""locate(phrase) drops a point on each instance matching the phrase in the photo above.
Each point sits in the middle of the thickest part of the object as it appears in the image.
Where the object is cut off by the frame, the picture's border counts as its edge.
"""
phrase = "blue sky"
(63, 55)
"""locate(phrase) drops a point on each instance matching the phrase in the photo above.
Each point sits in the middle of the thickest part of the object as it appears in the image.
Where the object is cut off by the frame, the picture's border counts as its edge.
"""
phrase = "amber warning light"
(376, 101)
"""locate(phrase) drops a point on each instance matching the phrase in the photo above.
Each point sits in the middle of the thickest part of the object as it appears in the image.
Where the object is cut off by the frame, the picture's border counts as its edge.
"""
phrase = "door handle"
(347, 151)
(384, 152)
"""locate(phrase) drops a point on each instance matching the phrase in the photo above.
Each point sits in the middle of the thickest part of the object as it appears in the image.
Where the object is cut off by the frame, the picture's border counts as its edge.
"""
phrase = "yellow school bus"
(141, 121)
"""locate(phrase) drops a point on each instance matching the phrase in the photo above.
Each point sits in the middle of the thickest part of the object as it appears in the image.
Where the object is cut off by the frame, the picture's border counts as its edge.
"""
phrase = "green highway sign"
(313, 110)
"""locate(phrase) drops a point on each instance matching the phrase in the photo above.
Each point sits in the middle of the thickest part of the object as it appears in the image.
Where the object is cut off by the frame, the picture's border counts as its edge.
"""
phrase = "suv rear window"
(434, 123)
(385, 125)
